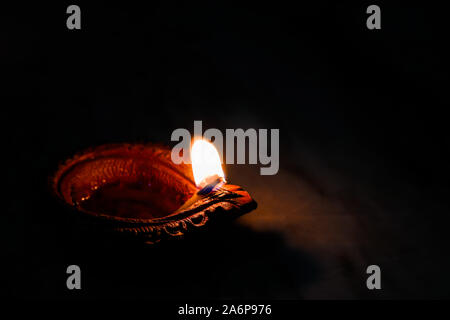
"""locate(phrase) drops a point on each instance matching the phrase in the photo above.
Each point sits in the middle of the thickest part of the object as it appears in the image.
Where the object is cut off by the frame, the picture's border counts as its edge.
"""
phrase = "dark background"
(363, 144)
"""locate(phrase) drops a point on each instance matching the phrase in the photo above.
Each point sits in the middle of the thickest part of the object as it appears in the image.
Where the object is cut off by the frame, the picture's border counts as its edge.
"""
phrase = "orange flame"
(206, 165)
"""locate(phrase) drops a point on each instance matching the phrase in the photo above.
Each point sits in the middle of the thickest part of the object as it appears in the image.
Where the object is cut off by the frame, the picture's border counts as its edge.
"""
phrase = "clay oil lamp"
(137, 191)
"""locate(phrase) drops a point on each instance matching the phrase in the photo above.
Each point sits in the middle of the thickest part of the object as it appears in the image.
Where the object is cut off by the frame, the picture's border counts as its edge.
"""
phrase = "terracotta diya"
(136, 190)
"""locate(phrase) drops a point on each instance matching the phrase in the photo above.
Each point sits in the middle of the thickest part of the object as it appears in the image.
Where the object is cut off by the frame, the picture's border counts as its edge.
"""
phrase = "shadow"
(220, 262)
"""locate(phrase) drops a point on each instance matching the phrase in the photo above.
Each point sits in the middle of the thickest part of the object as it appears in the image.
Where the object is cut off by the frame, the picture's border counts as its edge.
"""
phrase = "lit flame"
(206, 165)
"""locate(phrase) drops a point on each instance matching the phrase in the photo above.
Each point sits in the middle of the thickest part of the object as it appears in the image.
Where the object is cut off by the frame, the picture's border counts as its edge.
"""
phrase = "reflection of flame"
(206, 164)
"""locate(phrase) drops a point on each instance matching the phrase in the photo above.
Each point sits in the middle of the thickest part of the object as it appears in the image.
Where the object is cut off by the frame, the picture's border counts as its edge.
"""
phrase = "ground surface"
(363, 145)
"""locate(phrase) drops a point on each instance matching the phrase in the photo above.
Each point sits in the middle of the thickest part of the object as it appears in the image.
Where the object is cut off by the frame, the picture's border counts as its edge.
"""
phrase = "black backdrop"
(362, 121)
